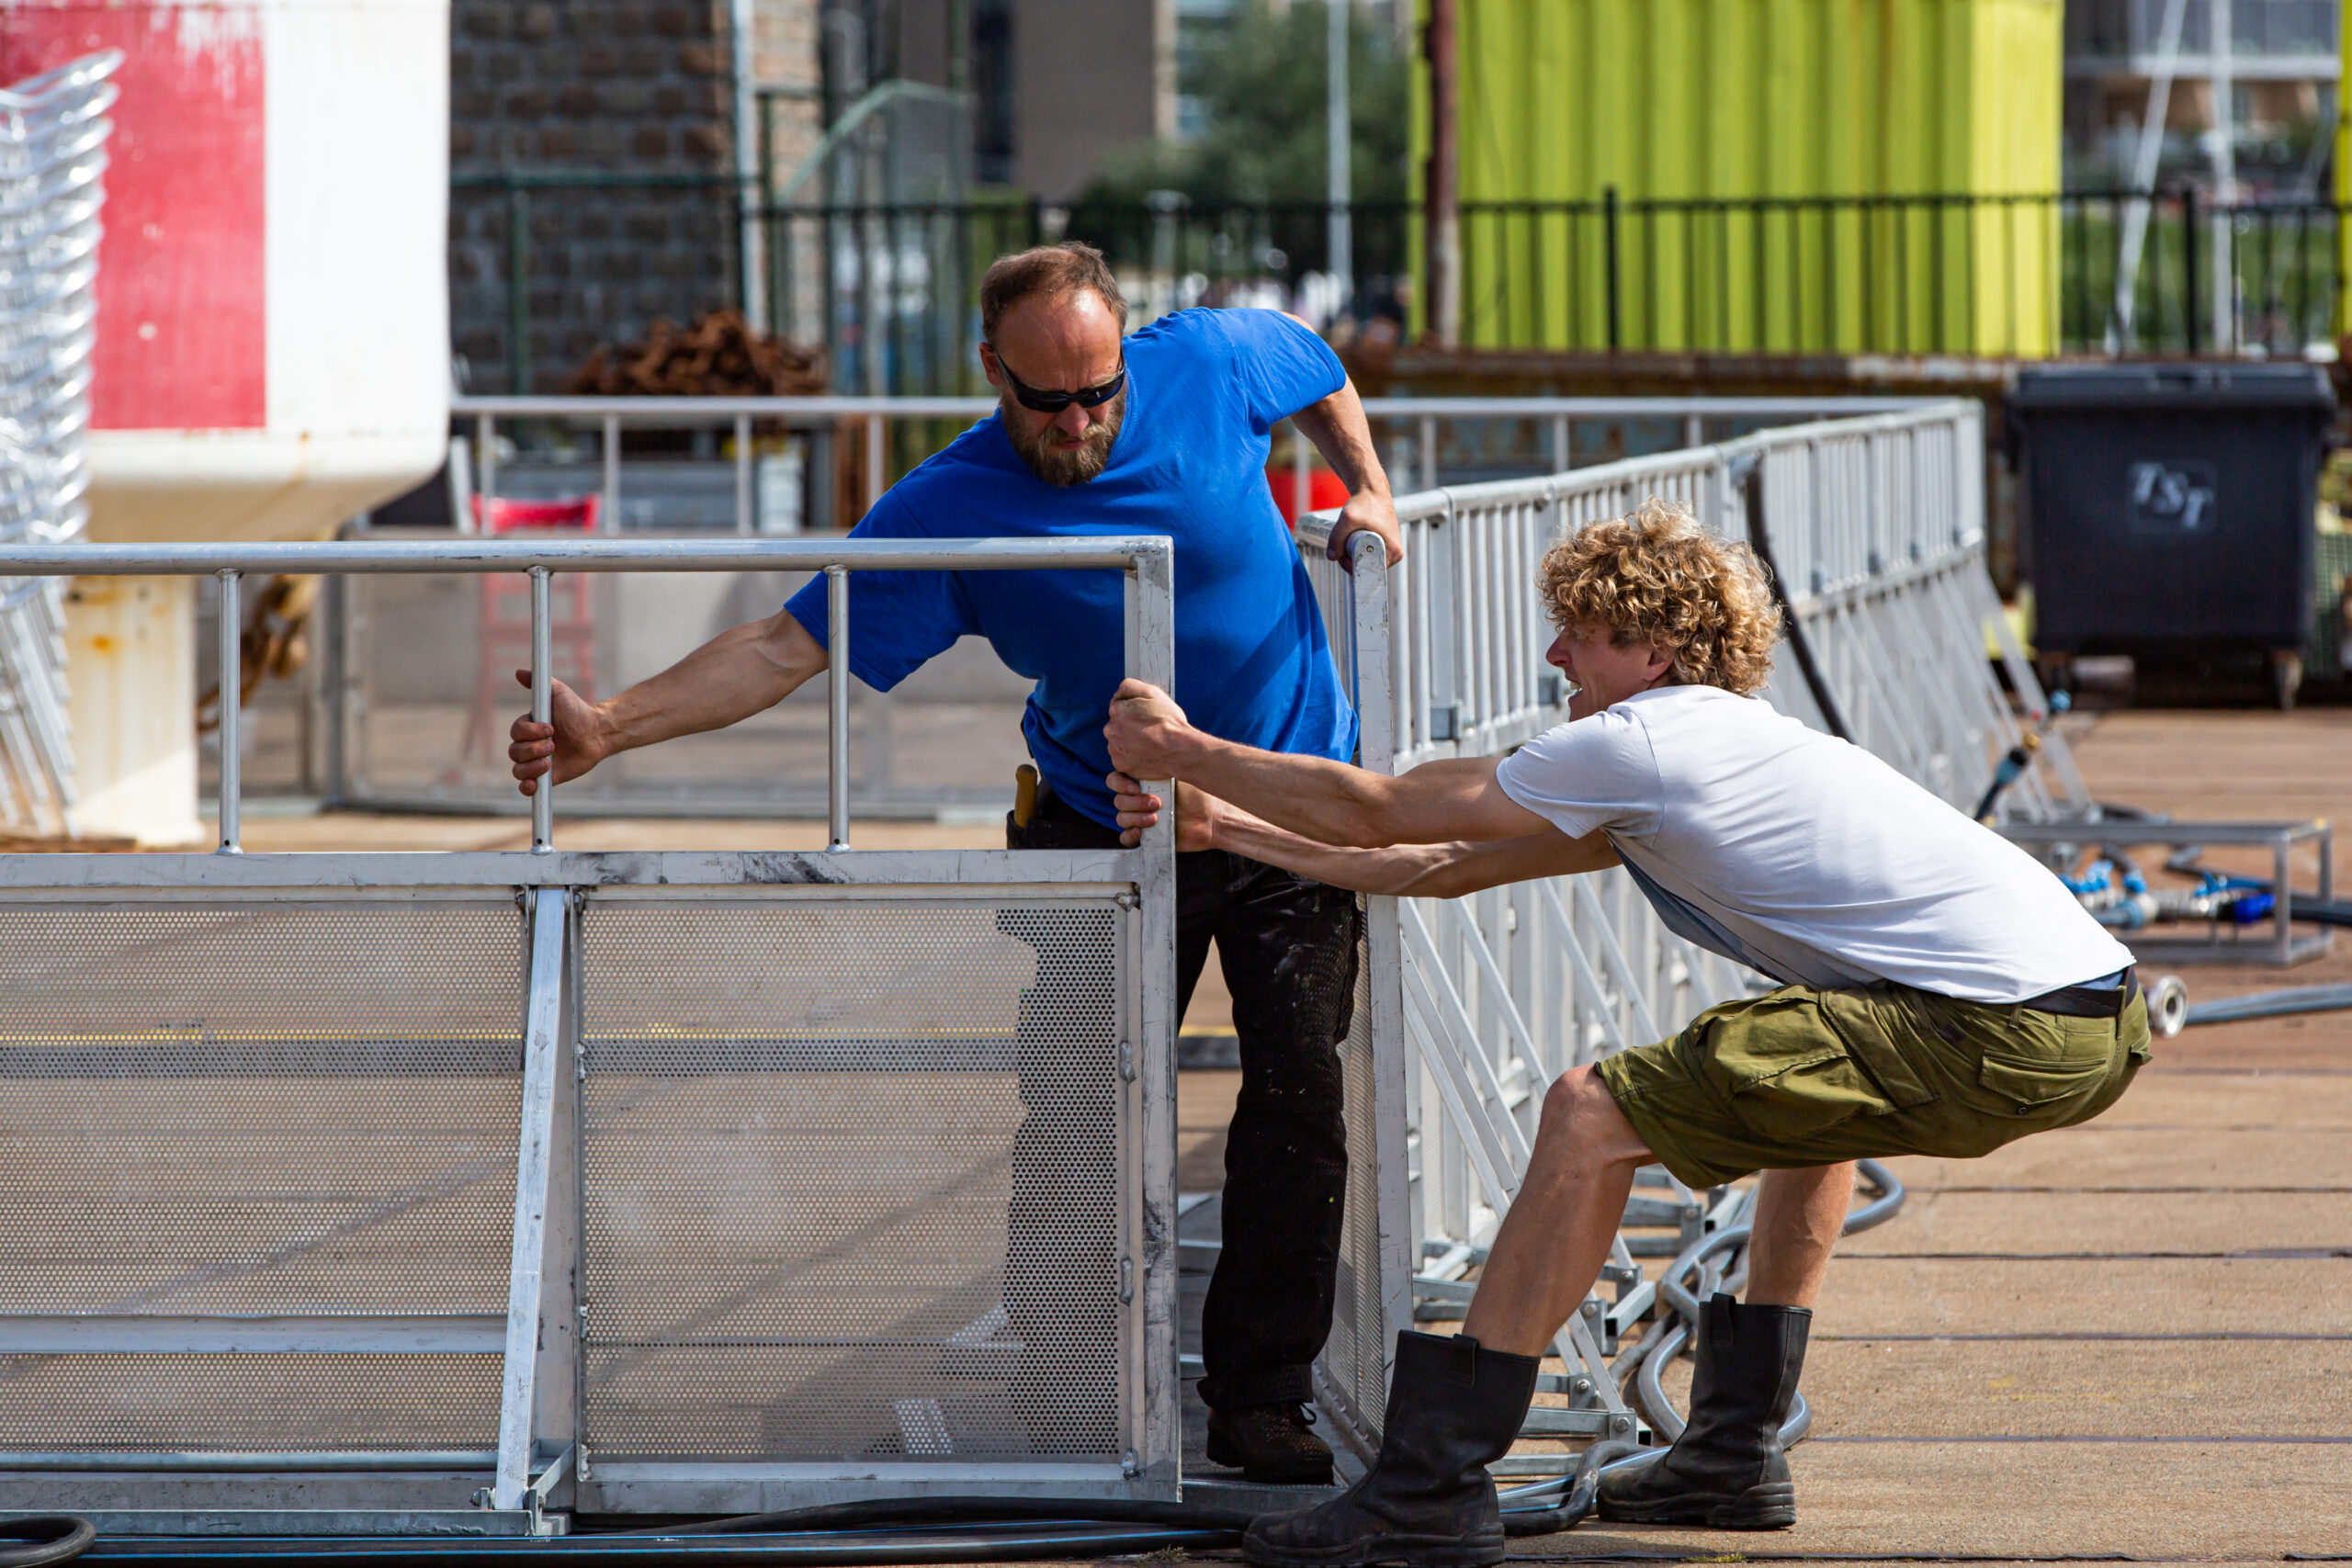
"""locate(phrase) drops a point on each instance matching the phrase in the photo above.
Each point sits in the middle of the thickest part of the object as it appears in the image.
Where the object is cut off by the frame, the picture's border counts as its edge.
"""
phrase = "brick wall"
(619, 87)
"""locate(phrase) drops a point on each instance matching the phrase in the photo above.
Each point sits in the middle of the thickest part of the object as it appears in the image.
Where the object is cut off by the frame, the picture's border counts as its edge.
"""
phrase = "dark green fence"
(545, 267)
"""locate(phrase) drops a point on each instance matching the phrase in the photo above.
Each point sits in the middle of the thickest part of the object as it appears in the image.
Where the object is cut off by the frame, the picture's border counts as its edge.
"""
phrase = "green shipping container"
(1789, 175)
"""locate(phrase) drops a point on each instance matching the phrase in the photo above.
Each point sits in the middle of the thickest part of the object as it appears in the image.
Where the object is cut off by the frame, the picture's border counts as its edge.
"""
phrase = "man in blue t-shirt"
(1165, 432)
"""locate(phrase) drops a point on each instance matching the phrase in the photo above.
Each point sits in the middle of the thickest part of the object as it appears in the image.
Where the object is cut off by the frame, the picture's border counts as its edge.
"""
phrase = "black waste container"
(2172, 506)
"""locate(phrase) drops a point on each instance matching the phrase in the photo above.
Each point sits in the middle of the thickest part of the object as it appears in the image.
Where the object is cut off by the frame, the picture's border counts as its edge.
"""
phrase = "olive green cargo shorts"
(1800, 1077)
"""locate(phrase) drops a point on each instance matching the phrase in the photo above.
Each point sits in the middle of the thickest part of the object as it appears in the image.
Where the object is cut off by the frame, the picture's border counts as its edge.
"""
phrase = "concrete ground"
(2127, 1341)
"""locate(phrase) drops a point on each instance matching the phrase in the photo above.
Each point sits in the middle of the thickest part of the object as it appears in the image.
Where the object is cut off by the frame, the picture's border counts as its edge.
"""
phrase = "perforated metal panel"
(253, 1404)
(290, 1110)
(853, 1181)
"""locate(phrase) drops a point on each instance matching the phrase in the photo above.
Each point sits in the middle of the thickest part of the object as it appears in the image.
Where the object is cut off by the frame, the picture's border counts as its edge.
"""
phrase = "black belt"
(2088, 1001)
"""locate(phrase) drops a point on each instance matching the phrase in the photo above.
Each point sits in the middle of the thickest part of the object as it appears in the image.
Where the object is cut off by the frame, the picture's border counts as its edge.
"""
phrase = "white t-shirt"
(1804, 857)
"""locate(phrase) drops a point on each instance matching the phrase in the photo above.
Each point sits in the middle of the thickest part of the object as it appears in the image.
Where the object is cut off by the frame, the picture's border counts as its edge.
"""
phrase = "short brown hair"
(1052, 270)
(1654, 576)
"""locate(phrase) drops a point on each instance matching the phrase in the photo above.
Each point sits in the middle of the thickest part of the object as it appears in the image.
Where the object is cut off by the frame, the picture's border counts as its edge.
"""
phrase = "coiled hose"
(59, 1539)
(1688, 1281)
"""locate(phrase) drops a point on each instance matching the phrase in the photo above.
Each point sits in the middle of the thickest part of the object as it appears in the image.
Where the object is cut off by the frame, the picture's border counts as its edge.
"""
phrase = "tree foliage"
(1261, 78)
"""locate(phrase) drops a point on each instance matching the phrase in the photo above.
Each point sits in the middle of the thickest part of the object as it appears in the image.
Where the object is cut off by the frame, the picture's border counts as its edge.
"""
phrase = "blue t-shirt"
(1204, 389)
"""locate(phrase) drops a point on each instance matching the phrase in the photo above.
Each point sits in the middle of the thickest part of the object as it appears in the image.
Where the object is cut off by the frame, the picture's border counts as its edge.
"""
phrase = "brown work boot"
(1270, 1444)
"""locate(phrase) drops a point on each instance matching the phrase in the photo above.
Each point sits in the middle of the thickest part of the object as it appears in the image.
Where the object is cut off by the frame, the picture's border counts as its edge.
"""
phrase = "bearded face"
(1041, 445)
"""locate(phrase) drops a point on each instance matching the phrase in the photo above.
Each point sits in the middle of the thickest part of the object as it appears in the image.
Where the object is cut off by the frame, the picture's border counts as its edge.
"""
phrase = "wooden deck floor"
(2132, 1340)
(2128, 1340)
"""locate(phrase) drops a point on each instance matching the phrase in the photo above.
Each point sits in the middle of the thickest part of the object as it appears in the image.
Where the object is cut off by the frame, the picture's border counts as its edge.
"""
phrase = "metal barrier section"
(1874, 527)
(429, 1193)
(245, 1214)
(853, 1177)
(418, 690)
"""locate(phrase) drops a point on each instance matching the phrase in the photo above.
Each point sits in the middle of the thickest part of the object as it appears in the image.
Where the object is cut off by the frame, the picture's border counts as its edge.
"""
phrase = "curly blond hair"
(1654, 576)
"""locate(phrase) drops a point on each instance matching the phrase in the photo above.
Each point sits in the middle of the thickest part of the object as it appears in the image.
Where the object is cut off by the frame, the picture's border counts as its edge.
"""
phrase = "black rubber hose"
(1678, 1299)
(60, 1538)
(1748, 475)
(1582, 1492)
(867, 1548)
(890, 1512)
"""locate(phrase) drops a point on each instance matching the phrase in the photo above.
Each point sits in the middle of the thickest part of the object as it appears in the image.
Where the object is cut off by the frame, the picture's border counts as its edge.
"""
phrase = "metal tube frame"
(231, 730)
(2279, 945)
(542, 707)
(1877, 525)
(878, 415)
(837, 673)
(819, 418)
(1450, 642)
(518, 1402)
(538, 1423)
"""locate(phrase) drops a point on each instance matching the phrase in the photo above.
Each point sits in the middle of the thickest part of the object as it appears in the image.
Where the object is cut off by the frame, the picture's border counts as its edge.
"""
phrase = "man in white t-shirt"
(1939, 993)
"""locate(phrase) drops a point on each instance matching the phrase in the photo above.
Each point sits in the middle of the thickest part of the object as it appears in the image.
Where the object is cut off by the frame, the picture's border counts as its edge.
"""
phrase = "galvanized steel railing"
(1875, 528)
(298, 981)
(542, 561)
(1415, 426)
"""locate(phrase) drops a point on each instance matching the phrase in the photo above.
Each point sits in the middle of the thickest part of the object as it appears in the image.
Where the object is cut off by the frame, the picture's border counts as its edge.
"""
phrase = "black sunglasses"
(1054, 402)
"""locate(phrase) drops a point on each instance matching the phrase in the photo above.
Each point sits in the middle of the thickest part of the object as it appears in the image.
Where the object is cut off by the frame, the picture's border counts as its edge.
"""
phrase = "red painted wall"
(182, 318)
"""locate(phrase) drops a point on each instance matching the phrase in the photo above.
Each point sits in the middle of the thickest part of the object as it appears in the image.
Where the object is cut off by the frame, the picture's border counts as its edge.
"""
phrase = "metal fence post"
(1150, 616)
(1370, 585)
(518, 288)
(335, 679)
(485, 473)
(743, 473)
(836, 708)
(2188, 279)
(608, 515)
(518, 1398)
(1608, 247)
(232, 711)
(542, 708)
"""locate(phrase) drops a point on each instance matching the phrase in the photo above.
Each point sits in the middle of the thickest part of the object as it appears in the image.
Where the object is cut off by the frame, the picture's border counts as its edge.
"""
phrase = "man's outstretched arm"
(1332, 803)
(742, 670)
(1408, 871)
(1337, 428)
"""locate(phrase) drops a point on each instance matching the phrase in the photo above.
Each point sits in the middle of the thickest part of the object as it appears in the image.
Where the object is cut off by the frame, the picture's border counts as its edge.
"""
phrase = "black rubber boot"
(1270, 1444)
(1454, 1408)
(1727, 1471)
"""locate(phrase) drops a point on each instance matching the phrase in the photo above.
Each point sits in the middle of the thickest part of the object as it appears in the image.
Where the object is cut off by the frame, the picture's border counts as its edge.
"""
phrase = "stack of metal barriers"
(53, 131)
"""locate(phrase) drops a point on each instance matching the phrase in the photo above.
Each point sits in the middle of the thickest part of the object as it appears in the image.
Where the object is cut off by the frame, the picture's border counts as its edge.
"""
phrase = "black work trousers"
(1288, 948)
